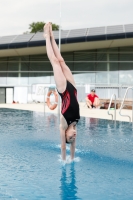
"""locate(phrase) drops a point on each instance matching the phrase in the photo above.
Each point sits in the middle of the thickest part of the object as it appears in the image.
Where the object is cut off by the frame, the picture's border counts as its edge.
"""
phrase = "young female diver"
(66, 88)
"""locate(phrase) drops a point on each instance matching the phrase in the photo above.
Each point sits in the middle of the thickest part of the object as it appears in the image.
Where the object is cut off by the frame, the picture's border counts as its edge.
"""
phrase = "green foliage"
(38, 27)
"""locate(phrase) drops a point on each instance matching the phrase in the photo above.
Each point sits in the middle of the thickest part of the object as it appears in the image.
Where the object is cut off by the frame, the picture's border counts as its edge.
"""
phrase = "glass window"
(52, 81)
(3, 59)
(114, 66)
(3, 66)
(102, 77)
(42, 57)
(126, 77)
(126, 56)
(125, 66)
(14, 58)
(68, 58)
(84, 61)
(3, 78)
(126, 49)
(23, 78)
(84, 66)
(112, 50)
(113, 56)
(84, 78)
(13, 63)
(25, 66)
(101, 66)
(13, 66)
(39, 78)
(80, 78)
(25, 63)
(101, 56)
(40, 66)
(126, 70)
(12, 79)
(113, 77)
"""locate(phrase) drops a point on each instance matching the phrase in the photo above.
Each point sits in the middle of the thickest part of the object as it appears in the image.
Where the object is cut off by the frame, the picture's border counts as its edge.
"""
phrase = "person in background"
(92, 100)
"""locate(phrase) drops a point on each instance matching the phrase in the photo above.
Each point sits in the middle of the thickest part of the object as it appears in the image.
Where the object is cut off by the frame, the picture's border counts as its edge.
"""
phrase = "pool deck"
(84, 111)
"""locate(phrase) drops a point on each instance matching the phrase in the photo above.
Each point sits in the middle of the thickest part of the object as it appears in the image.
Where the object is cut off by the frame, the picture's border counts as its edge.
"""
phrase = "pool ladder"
(122, 104)
(113, 95)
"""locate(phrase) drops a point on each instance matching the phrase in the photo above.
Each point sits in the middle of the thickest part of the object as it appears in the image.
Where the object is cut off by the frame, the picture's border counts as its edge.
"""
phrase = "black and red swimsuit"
(70, 106)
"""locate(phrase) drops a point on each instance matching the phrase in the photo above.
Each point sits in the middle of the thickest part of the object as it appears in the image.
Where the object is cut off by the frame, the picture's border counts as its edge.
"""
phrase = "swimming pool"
(30, 167)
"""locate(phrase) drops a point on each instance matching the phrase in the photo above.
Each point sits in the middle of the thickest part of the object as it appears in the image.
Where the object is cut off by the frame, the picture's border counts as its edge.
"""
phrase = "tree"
(38, 27)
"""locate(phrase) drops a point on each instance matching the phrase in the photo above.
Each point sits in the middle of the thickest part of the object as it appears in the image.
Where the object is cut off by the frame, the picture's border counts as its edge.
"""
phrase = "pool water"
(31, 169)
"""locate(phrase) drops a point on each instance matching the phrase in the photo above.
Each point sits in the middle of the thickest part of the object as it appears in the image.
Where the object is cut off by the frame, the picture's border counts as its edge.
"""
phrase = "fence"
(104, 91)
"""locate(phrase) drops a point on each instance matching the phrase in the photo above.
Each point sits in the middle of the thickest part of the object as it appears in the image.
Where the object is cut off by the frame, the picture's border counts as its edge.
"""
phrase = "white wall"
(38, 91)
(21, 94)
(9, 95)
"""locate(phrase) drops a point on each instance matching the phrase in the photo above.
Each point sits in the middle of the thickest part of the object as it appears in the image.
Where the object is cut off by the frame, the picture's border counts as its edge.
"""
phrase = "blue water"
(30, 167)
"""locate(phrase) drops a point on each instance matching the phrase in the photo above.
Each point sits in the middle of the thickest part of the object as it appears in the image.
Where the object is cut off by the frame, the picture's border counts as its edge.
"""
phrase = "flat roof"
(94, 35)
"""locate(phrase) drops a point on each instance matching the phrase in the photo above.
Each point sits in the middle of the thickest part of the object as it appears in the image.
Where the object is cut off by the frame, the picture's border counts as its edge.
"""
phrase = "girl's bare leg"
(65, 68)
(59, 77)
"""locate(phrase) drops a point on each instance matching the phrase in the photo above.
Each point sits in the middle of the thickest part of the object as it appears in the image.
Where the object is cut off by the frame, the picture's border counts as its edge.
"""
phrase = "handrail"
(110, 105)
(34, 100)
(122, 104)
(32, 94)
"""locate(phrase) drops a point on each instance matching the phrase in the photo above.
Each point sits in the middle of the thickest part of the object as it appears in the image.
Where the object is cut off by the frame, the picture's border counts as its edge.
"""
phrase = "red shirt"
(92, 98)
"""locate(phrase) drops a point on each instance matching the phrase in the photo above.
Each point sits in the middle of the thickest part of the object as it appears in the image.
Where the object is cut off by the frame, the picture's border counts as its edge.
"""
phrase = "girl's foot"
(46, 30)
(50, 29)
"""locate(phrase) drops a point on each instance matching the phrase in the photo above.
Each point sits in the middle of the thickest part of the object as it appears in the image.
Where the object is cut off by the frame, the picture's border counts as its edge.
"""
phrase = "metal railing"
(35, 99)
(113, 95)
(122, 104)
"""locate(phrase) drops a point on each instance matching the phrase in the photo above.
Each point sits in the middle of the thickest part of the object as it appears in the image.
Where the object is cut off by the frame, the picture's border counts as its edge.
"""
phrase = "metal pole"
(108, 67)
(44, 100)
(132, 105)
(44, 96)
(115, 109)
(113, 95)
(60, 29)
(60, 51)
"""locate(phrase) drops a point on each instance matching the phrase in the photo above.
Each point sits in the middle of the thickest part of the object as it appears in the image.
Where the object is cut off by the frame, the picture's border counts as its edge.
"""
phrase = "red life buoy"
(52, 106)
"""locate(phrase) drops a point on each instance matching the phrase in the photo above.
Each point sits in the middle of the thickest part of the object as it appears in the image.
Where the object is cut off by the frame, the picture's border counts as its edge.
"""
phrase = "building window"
(84, 78)
(3, 78)
(12, 79)
(39, 78)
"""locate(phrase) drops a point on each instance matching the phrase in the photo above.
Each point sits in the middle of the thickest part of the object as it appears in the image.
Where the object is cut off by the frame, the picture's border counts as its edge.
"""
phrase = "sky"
(16, 15)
